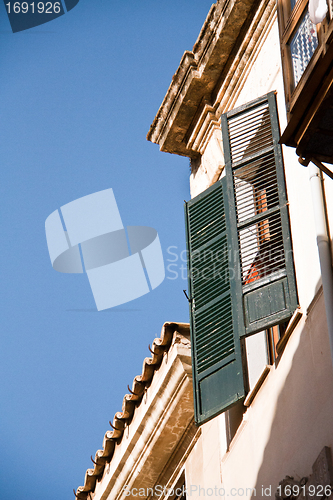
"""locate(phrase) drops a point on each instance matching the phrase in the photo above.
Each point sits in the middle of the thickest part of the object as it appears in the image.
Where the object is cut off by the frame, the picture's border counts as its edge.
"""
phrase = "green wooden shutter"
(216, 323)
(258, 205)
(240, 266)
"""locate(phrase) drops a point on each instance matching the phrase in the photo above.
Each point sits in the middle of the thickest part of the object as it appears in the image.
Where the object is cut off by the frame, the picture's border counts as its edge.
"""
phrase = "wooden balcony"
(307, 60)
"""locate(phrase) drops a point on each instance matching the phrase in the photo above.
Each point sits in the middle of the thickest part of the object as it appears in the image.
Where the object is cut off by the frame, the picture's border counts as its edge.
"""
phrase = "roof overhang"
(200, 74)
(155, 429)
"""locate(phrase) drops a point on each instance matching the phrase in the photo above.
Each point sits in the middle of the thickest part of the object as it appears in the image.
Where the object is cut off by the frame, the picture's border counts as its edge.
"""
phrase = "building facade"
(259, 422)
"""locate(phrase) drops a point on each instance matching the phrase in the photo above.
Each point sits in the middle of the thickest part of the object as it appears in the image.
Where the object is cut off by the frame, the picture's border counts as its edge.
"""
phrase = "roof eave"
(199, 74)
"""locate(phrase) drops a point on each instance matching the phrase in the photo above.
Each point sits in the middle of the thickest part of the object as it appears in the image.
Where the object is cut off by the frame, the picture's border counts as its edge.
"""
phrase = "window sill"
(252, 394)
(290, 328)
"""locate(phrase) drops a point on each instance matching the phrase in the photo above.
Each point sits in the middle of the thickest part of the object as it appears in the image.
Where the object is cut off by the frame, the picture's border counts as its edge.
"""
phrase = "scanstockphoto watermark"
(225, 264)
(192, 490)
(176, 263)
(25, 15)
(205, 264)
(88, 236)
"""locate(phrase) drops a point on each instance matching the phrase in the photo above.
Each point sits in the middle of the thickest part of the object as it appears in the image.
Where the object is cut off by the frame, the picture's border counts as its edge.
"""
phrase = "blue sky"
(78, 96)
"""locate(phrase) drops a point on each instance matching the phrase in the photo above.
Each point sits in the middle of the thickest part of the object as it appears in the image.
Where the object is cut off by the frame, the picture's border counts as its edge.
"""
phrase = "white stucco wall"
(284, 429)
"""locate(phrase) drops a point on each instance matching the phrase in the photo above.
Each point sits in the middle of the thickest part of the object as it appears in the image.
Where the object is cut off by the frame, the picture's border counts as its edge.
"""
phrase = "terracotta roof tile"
(130, 402)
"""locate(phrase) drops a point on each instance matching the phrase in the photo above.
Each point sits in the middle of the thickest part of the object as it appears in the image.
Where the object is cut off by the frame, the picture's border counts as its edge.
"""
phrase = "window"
(307, 55)
(299, 39)
(302, 46)
(241, 276)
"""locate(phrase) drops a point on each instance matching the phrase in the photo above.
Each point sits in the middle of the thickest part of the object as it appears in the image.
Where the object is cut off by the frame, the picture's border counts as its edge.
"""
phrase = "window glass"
(302, 46)
(257, 357)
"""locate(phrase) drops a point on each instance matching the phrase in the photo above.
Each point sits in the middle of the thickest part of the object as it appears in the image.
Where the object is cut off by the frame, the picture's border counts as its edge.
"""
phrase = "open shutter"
(240, 266)
(216, 324)
(255, 177)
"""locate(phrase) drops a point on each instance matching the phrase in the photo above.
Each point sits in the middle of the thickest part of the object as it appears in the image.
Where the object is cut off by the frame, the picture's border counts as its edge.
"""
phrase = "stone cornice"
(231, 27)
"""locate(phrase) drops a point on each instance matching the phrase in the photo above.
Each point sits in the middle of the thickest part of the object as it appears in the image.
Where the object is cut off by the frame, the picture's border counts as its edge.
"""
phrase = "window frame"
(289, 21)
(299, 99)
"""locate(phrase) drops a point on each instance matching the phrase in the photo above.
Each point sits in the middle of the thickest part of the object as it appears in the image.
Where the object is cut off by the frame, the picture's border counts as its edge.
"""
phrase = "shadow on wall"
(302, 424)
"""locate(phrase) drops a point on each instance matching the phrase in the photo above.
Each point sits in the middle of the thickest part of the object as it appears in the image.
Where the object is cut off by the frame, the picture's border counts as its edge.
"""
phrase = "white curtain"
(317, 10)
